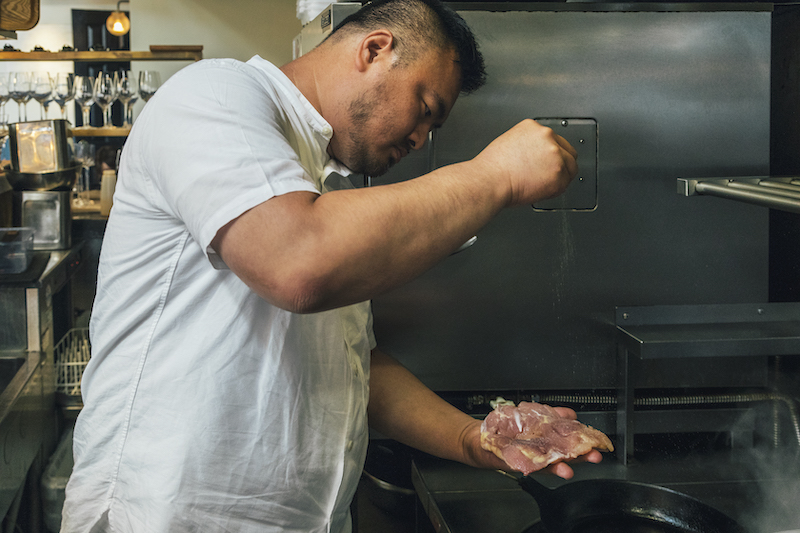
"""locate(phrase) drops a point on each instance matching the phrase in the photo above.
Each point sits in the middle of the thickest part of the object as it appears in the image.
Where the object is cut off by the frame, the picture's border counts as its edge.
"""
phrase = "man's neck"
(302, 73)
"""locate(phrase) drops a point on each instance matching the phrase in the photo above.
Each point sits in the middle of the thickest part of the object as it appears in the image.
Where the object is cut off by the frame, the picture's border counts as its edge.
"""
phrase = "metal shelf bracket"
(781, 193)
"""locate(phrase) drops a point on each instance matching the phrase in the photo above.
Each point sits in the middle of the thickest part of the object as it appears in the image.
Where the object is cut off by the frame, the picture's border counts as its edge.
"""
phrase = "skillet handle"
(540, 493)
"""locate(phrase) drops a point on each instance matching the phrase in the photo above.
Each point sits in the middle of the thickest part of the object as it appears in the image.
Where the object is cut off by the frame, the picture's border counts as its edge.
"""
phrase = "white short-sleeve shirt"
(205, 407)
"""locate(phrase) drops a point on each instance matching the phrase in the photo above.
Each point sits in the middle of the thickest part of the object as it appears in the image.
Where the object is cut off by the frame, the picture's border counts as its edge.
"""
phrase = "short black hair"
(420, 25)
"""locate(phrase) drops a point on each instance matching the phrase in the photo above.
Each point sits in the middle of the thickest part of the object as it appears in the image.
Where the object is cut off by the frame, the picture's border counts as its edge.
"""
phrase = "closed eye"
(438, 112)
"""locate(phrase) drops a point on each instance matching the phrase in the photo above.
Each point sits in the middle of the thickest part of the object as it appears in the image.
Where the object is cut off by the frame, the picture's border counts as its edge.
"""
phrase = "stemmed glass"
(42, 89)
(63, 90)
(149, 81)
(84, 154)
(105, 92)
(84, 96)
(127, 93)
(19, 88)
(4, 97)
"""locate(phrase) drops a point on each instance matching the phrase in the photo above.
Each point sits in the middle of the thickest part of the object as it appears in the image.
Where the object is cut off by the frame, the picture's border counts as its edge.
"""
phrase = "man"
(233, 358)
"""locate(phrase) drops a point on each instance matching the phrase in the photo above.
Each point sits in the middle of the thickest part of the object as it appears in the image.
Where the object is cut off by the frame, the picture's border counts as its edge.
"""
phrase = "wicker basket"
(71, 355)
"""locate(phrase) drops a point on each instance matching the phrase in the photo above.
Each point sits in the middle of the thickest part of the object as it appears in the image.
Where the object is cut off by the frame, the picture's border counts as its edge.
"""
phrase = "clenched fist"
(531, 161)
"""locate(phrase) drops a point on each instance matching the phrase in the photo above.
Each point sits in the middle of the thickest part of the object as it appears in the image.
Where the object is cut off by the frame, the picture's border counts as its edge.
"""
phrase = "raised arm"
(307, 253)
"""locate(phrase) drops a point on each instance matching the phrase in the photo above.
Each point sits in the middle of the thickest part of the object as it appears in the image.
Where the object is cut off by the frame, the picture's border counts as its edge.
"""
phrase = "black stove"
(763, 496)
(626, 525)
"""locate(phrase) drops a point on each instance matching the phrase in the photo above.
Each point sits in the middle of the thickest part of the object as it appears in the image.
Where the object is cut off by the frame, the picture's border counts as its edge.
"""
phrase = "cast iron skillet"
(609, 505)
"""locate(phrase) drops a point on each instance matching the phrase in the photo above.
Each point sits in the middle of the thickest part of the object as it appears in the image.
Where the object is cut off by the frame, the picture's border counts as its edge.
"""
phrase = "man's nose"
(418, 137)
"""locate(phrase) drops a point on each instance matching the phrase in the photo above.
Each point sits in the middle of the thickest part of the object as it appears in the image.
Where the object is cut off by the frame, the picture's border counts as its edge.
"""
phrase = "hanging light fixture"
(117, 22)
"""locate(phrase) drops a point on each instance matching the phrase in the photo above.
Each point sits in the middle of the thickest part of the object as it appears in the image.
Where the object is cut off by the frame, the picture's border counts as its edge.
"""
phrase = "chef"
(234, 367)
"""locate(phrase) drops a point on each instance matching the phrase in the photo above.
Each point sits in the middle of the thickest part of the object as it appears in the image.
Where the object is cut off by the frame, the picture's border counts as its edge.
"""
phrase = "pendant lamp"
(117, 22)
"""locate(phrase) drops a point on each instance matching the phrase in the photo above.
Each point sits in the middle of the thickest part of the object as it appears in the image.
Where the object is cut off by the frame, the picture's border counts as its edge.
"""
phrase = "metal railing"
(777, 193)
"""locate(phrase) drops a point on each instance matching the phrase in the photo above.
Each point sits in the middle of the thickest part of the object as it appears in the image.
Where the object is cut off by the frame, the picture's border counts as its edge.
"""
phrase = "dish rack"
(71, 355)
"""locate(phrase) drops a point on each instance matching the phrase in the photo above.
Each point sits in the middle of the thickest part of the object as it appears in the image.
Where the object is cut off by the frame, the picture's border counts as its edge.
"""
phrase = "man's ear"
(377, 46)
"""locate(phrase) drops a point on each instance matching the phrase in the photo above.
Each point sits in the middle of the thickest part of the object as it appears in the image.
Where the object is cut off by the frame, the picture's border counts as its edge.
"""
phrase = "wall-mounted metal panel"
(531, 304)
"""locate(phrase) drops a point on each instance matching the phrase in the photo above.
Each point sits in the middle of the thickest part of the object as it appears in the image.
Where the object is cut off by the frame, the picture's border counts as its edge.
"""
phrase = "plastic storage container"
(16, 249)
(107, 186)
(54, 482)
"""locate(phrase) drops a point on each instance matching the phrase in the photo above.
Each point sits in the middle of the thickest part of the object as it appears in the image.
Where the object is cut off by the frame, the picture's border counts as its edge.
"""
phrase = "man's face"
(394, 117)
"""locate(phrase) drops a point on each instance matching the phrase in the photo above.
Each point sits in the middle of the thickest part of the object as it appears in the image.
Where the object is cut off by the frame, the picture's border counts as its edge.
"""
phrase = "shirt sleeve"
(217, 147)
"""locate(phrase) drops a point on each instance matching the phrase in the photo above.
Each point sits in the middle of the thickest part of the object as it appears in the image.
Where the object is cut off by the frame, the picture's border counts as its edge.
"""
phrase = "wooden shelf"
(156, 53)
(118, 56)
(113, 131)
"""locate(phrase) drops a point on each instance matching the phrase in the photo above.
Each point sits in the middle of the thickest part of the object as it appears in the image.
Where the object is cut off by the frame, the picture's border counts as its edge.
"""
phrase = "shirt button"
(349, 445)
(327, 130)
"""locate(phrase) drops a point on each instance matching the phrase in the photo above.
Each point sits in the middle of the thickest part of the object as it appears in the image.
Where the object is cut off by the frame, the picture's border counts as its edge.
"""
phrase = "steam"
(771, 469)
(778, 491)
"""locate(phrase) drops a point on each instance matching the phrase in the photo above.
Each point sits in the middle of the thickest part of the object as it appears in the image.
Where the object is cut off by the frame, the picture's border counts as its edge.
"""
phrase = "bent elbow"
(298, 294)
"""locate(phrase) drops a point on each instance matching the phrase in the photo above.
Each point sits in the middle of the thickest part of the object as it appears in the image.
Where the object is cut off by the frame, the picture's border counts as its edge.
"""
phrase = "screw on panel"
(565, 123)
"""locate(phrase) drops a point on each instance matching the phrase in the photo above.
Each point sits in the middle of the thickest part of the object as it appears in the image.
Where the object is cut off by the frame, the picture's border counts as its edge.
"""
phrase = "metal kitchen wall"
(678, 90)
(785, 150)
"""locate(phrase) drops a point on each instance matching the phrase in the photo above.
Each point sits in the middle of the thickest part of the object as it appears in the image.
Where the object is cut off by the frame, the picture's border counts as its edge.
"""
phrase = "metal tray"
(44, 181)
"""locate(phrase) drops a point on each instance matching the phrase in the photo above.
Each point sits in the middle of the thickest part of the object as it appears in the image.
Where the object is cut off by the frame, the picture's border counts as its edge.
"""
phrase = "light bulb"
(117, 23)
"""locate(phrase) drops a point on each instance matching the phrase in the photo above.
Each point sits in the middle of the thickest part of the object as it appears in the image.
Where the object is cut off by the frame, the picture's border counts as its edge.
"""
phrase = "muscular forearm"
(309, 253)
(404, 409)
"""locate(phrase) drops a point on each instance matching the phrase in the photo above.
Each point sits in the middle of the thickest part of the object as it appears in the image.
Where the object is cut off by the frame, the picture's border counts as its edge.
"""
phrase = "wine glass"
(84, 154)
(42, 89)
(127, 93)
(105, 92)
(129, 112)
(4, 97)
(149, 81)
(19, 88)
(63, 90)
(84, 96)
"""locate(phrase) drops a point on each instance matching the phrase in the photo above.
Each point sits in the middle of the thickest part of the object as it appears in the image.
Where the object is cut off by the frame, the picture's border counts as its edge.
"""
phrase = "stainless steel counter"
(22, 425)
(458, 498)
(35, 310)
(760, 489)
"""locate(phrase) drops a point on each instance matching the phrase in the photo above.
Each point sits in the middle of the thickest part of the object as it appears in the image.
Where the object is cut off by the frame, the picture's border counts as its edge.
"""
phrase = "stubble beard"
(358, 151)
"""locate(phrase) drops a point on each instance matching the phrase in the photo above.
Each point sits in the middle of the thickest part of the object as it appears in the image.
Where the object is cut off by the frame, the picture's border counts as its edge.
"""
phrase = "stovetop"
(761, 491)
